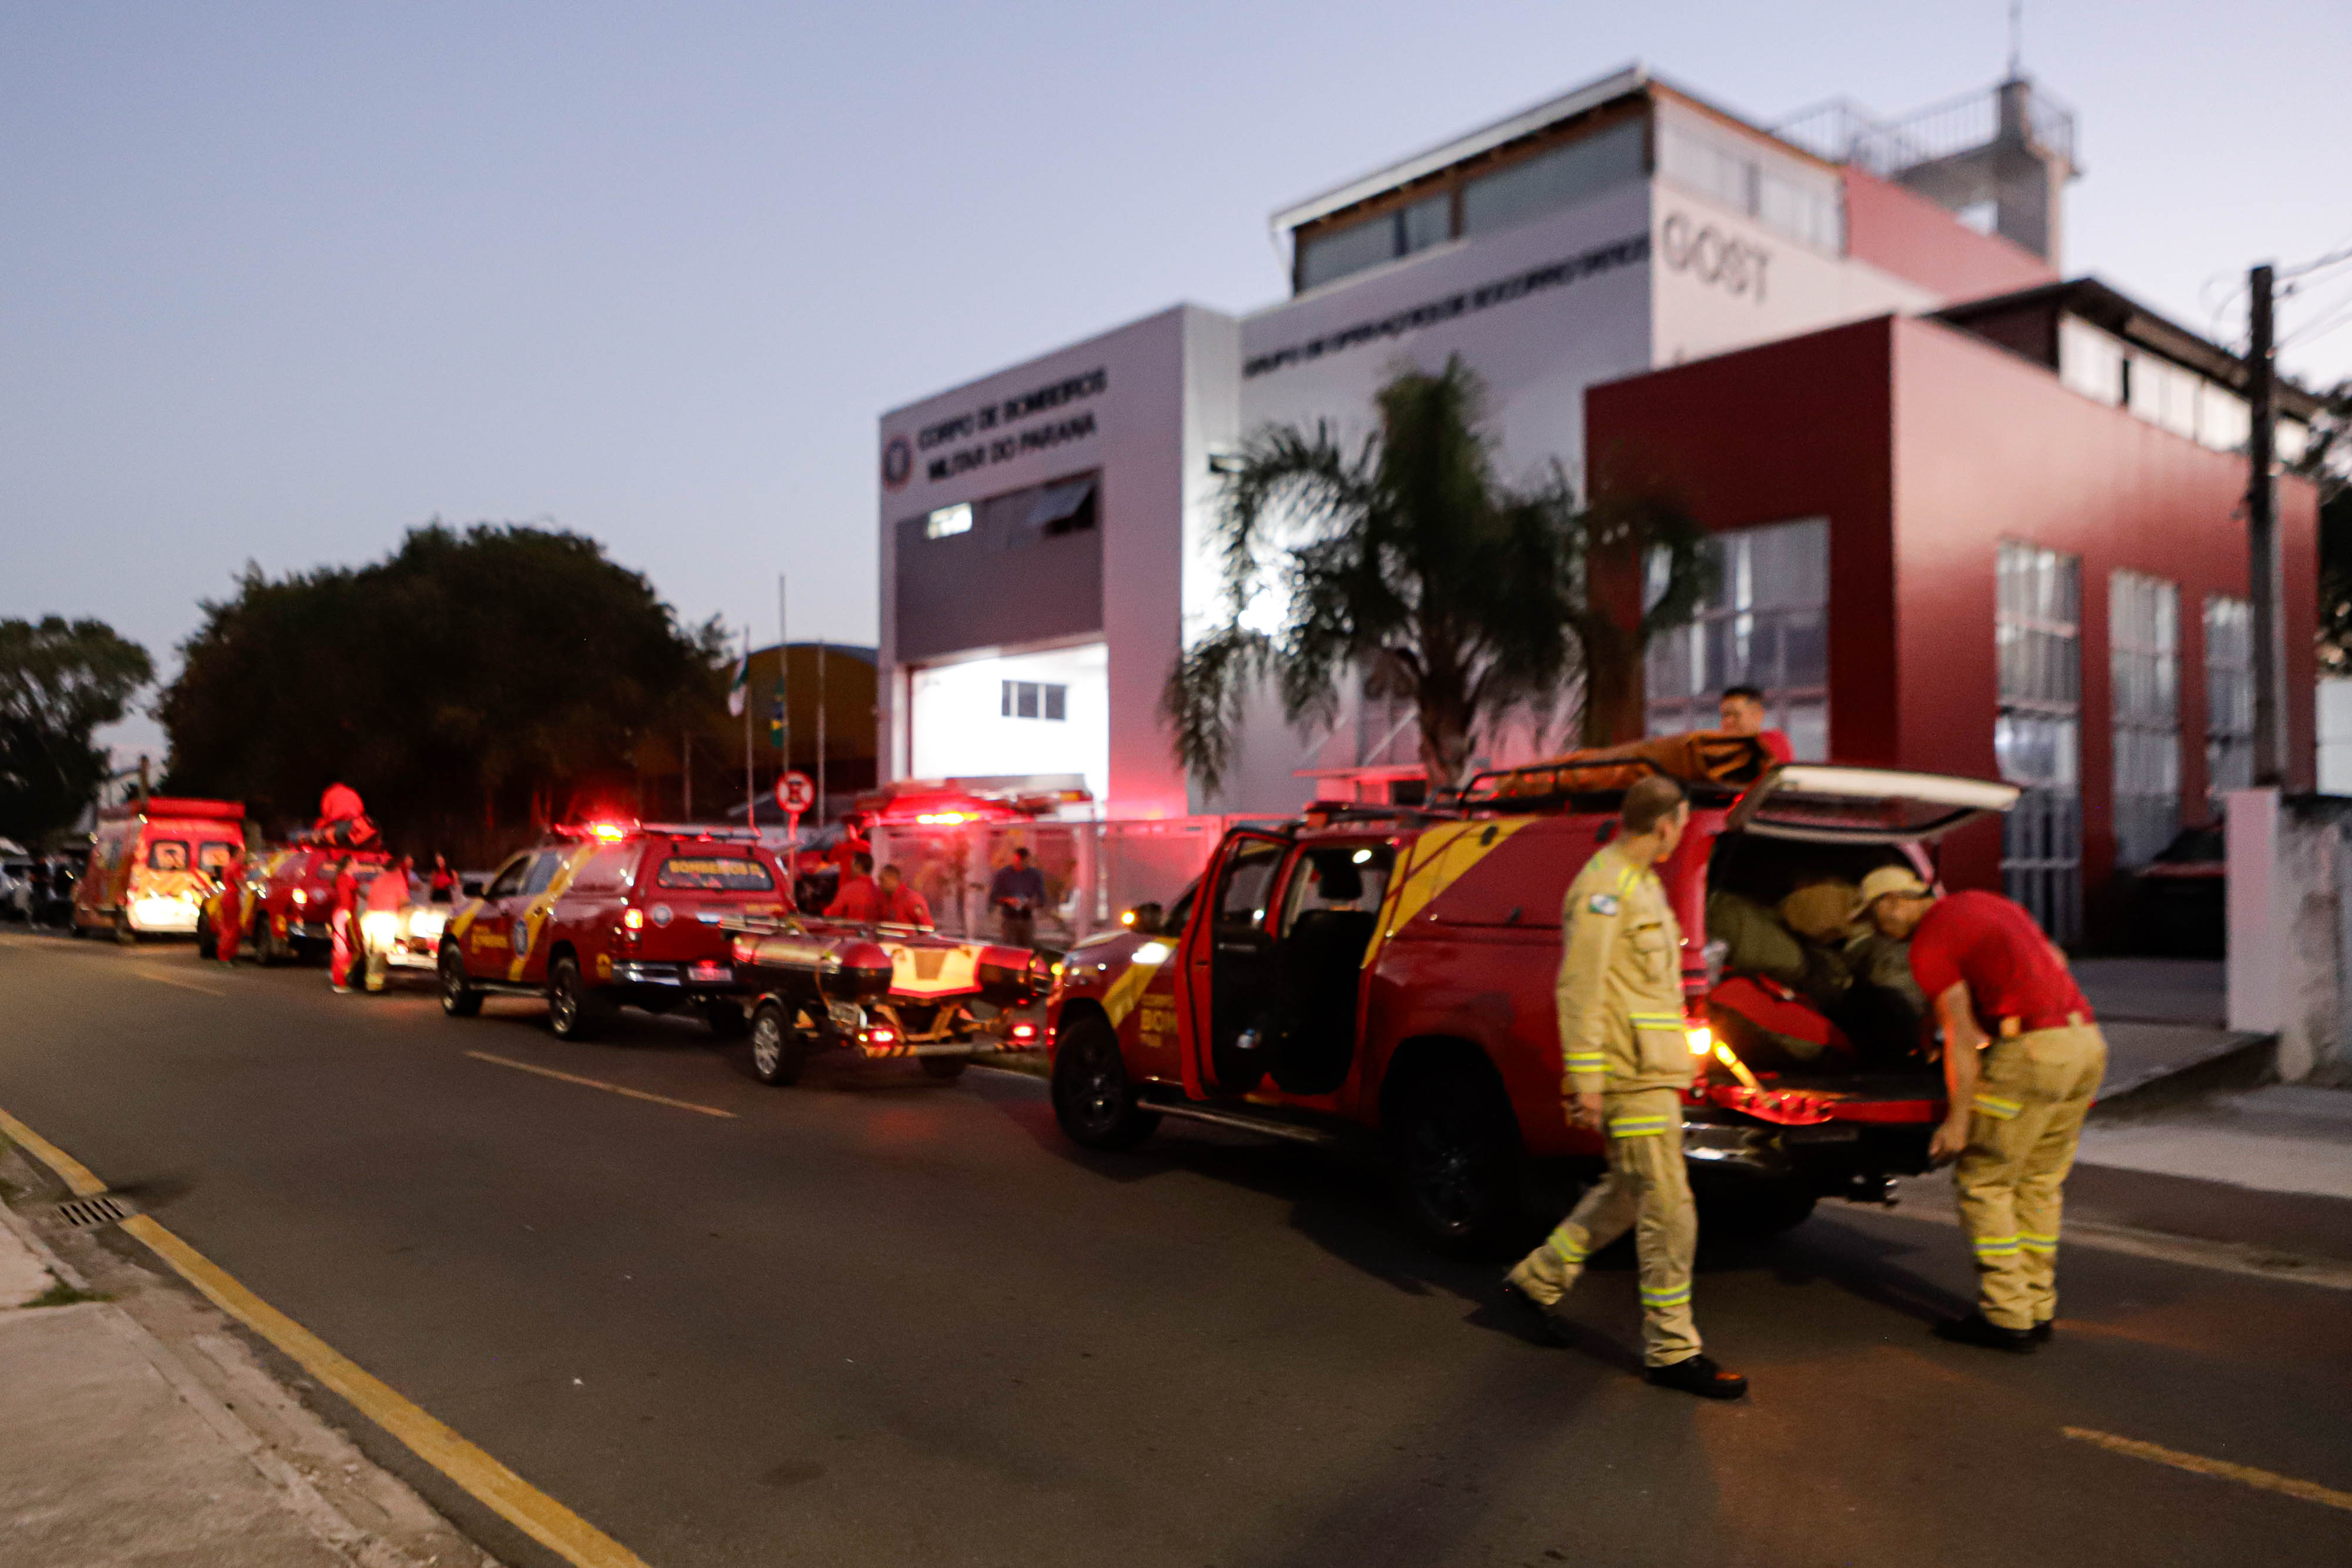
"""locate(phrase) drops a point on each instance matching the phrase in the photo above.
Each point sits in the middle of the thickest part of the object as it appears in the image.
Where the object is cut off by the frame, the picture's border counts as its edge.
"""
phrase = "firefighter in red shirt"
(342, 927)
(859, 899)
(901, 905)
(2023, 1061)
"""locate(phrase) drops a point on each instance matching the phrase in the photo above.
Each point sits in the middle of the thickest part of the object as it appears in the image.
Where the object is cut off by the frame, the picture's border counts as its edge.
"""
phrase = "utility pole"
(751, 757)
(820, 732)
(2261, 540)
(783, 681)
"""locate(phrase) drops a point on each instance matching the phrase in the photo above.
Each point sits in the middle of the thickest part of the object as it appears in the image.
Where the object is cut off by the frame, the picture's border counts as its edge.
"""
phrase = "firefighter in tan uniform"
(1628, 1060)
(2023, 1061)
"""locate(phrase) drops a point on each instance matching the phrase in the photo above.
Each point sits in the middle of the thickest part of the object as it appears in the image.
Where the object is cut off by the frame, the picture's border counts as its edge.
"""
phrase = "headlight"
(427, 923)
(1153, 953)
(378, 926)
(300, 898)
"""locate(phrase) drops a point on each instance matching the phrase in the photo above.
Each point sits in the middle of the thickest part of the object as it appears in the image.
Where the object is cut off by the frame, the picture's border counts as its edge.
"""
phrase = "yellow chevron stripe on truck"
(1436, 862)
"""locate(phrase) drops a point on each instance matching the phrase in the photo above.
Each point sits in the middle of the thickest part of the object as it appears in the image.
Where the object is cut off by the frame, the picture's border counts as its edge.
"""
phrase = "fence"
(1093, 871)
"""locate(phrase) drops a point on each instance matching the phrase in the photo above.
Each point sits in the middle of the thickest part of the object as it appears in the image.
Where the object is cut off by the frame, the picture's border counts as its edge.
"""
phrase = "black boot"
(2041, 1332)
(1701, 1376)
(1976, 1330)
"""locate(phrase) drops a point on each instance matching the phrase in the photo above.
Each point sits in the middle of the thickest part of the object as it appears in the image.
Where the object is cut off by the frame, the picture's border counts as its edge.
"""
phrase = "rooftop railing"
(1842, 132)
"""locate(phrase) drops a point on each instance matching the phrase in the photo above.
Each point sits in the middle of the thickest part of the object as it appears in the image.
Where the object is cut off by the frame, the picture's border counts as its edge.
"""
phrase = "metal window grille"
(2228, 697)
(2144, 657)
(2037, 640)
(1766, 625)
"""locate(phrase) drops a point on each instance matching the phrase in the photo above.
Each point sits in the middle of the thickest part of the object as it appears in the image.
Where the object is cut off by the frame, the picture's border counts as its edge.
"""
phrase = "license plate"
(709, 969)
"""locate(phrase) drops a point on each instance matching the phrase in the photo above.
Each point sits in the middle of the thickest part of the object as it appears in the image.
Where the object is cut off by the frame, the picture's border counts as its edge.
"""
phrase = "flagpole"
(783, 684)
(751, 792)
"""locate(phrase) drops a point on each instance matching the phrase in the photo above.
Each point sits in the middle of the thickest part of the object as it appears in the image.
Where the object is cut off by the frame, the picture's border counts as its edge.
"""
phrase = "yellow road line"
(513, 1499)
(69, 1170)
(598, 1083)
(2220, 1469)
(181, 981)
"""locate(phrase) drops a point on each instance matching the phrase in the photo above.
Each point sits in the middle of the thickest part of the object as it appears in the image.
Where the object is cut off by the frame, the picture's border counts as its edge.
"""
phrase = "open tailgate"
(1826, 803)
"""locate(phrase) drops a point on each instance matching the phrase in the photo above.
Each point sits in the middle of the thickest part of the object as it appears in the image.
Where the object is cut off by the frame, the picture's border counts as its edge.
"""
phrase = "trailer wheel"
(1093, 1099)
(778, 1049)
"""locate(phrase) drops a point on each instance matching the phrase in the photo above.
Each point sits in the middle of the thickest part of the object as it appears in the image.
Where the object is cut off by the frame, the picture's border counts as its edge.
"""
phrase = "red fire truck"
(1368, 974)
(613, 914)
(153, 863)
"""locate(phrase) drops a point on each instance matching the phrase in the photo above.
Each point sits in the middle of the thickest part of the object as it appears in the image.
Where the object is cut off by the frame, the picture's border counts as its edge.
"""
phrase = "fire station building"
(1972, 517)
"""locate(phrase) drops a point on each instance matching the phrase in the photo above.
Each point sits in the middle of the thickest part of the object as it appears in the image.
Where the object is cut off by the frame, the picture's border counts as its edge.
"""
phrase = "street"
(879, 1320)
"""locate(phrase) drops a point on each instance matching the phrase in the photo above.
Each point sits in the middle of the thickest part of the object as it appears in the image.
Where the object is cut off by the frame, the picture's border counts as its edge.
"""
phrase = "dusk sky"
(277, 282)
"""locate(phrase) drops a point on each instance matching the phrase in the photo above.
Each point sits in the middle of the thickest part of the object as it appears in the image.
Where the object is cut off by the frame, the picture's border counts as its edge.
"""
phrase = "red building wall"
(1907, 234)
(1925, 448)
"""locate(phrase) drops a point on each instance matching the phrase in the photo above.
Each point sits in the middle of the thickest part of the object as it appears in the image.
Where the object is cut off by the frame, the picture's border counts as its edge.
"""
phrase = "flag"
(741, 686)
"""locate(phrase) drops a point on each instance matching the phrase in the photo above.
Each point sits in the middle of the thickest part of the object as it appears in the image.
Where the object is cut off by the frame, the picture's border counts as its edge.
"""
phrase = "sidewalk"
(118, 1450)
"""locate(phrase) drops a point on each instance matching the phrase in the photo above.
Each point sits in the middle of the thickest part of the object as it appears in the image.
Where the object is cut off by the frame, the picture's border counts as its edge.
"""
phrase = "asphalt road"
(877, 1320)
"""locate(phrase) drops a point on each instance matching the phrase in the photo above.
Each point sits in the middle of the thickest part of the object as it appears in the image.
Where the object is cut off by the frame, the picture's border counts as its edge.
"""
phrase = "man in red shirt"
(1740, 711)
(2023, 1059)
(901, 905)
(858, 899)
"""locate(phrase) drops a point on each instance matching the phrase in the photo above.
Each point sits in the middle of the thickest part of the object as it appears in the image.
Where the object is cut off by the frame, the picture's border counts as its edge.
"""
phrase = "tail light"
(743, 949)
(632, 919)
(881, 1034)
(1024, 1033)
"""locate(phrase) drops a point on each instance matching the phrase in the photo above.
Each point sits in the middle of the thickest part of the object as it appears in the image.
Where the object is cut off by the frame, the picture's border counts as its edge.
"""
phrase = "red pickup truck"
(1368, 973)
(611, 916)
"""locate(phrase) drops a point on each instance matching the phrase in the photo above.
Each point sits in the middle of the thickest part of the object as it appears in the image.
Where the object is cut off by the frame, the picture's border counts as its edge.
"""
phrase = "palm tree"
(1411, 567)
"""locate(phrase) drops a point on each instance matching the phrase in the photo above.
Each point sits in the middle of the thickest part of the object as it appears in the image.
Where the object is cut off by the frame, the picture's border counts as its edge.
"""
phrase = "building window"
(2144, 658)
(1400, 232)
(1800, 201)
(1767, 626)
(1035, 699)
(947, 520)
(2228, 697)
(1549, 181)
(2037, 638)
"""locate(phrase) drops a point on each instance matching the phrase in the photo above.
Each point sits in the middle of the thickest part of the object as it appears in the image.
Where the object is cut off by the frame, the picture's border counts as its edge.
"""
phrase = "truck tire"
(123, 931)
(458, 998)
(205, 945)
(1093, 1099)
(1457, 1162)
(946, 1069)
(575, 1009)
(778, 1049)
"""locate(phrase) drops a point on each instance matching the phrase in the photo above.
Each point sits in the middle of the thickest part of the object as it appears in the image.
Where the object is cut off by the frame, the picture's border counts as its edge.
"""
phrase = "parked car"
(1388, 975)
(611, 916)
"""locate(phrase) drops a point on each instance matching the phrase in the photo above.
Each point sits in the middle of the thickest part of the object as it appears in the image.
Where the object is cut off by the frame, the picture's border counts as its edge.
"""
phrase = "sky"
(280, 282)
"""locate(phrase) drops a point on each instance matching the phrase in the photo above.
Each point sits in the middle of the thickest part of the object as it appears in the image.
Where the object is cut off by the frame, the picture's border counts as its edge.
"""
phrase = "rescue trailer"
(882, 991)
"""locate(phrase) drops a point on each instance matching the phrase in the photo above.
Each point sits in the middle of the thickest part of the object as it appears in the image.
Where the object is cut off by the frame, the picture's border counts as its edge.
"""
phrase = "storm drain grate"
(81, 1213)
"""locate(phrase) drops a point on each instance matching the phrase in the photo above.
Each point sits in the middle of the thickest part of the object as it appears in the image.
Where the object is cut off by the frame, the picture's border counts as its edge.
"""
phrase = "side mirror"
(472, 888)
(1144, 919)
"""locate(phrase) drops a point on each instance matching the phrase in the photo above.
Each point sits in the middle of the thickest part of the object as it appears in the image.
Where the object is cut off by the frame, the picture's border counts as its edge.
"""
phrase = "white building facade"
(1045, 530)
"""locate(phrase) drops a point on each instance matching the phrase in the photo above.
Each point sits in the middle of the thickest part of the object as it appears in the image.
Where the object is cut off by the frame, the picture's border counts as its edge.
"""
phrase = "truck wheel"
(458, 998)
(946, 1069)
(204, 944)
(1459, 1162)
(575, 1009)
(1093, 1099)
(726, 1019)
(123, 932)
(778, 1051)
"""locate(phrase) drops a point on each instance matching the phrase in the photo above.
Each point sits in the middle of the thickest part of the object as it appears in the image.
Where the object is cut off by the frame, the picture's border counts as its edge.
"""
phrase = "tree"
(59, 679)
(2327, 460)
(468, 683)
(1408, 565)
